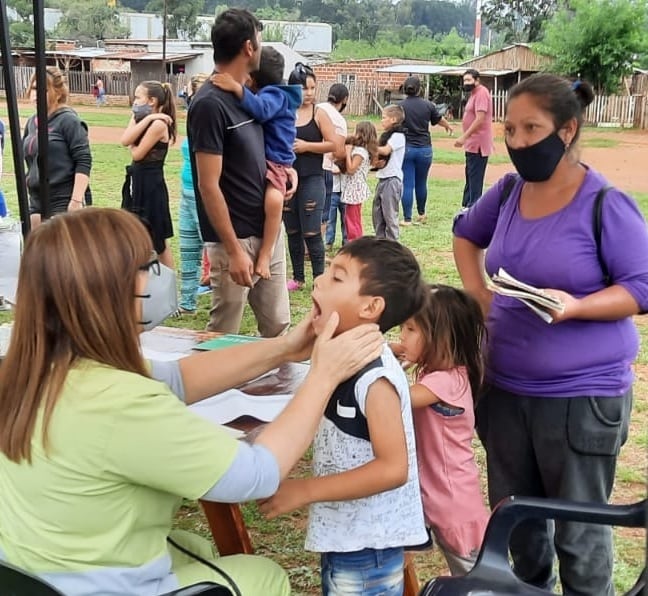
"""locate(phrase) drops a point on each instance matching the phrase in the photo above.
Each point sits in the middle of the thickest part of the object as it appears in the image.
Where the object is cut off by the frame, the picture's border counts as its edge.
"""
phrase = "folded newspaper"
(537, 300)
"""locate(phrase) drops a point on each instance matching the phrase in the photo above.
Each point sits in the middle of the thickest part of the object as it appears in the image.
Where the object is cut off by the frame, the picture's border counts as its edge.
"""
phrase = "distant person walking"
(419, 115)
(100, 92)
(477, 137)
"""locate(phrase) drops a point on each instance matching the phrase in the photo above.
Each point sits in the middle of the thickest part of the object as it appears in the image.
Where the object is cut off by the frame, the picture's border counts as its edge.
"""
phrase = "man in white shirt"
(335, 104)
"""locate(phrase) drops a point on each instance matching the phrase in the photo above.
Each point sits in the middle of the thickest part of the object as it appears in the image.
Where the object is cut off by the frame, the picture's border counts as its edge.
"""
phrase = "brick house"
(368, 87)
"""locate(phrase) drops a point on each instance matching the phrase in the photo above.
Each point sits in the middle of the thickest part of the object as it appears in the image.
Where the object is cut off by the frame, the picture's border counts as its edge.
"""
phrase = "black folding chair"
(492, 573)
(17, 582)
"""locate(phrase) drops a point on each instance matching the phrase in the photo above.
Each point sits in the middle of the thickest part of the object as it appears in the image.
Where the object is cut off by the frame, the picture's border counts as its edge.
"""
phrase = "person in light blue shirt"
(191, 242)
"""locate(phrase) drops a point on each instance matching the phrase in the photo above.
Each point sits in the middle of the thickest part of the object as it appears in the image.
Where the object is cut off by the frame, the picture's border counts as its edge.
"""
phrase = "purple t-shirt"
(575, 357)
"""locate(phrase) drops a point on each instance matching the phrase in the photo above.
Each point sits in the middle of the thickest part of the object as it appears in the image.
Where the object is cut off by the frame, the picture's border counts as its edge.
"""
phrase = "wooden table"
(225, 519)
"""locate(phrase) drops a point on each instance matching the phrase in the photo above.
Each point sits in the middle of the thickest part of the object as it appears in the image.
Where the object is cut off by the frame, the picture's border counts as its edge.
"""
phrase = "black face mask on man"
(468, 87)
(537, 162)
(160, 299)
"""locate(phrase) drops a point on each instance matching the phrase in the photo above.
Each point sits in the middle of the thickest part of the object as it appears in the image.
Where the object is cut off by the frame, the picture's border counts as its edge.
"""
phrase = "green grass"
(600, 143)
(283, 539)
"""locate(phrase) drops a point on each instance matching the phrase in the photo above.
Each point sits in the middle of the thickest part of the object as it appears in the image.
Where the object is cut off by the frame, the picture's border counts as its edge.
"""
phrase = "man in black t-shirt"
(228, 167)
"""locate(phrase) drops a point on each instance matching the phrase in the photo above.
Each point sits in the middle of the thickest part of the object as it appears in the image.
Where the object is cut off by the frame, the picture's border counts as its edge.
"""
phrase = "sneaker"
(421, 218)
(405, 223)
(294, 285)
(203, 290)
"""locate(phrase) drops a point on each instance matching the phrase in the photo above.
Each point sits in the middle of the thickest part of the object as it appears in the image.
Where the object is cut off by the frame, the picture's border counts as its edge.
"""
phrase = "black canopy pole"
(41, 106)
(14, 119)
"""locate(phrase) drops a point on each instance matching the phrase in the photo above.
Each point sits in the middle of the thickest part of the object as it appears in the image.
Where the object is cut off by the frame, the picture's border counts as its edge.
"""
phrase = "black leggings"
(303, 220)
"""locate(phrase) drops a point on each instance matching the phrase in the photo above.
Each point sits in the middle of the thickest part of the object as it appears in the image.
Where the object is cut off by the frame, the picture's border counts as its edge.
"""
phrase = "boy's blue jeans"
(336, 206)
(367, 572)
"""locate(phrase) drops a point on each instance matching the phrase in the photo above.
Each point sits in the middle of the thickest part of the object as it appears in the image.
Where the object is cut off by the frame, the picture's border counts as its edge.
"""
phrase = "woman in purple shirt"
(557, 406)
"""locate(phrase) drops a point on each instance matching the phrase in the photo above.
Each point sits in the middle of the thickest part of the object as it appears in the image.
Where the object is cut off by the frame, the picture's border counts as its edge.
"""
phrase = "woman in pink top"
(443, 341)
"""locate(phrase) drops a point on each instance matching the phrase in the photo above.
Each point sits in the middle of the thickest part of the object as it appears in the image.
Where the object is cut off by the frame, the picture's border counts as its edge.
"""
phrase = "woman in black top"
(303, 213)
(68, 152)
(148, 135)
(419, 114)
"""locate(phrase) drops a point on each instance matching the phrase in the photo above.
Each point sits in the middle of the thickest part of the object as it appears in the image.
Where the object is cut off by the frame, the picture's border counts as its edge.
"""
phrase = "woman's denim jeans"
(367, 572)
(416, 166)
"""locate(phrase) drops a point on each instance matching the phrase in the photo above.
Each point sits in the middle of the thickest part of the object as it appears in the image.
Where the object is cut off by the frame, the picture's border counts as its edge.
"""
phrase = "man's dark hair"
(232, 28)
(271, 68)
(389, 270)
(473, 73)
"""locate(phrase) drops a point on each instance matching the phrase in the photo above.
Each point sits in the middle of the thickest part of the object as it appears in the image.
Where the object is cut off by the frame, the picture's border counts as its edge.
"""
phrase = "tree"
(598, 40)
(21, 29)
(182, 16)
(518, 20)
(89, 21)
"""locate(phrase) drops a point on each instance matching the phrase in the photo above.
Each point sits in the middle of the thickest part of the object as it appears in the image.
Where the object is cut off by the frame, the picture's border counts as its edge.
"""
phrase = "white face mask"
(160, 297)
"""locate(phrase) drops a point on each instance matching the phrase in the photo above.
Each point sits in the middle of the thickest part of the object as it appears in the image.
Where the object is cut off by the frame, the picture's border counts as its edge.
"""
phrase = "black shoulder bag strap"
(598, 232)
(508, 189)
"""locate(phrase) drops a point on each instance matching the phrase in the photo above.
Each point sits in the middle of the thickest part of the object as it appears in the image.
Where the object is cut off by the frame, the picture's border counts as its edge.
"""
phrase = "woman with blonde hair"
(97, 452)
(152, 128)
(69, 160)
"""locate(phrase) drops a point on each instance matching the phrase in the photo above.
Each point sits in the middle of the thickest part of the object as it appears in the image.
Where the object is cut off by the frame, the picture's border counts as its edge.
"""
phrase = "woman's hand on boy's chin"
(342, 356)
(300, 340)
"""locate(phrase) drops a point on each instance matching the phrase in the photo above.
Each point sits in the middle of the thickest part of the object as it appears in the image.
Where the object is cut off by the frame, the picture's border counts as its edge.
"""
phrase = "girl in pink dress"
(443, 342)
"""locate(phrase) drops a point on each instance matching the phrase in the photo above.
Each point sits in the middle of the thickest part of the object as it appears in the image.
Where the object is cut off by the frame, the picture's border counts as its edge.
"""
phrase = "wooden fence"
(363, 99)
(115, 83)
(625, 111)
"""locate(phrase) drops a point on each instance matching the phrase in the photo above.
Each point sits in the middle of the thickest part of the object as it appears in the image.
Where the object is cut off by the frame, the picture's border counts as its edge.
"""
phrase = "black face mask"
(468, 87)
(538, 162)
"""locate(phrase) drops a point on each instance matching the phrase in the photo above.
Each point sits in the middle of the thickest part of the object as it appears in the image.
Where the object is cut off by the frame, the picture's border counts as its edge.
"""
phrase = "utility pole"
(477, 27)
(164, 42)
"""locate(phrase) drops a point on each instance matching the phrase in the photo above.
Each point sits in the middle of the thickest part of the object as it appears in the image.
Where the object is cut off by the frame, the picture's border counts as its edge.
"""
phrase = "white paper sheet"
(233, 404)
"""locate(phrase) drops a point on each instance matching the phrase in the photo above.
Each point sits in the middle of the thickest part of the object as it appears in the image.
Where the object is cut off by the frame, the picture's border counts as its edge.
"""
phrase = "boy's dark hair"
(389, 270)
(231, 29)
(473, 73)
(271, 68)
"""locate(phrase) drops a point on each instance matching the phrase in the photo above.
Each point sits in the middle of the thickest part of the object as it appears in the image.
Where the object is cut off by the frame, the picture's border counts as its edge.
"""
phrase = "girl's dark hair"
(300, 74)
(561, 98)
(453, 328)
(163, 94)
(365, 136)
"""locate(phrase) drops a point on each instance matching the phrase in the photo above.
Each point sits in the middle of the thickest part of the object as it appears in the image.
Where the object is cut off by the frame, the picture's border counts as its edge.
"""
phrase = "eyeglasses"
(153, 265)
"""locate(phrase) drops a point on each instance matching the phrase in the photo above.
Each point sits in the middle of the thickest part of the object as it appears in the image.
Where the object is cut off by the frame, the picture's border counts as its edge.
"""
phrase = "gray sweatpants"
(562, 448)
(384, 211)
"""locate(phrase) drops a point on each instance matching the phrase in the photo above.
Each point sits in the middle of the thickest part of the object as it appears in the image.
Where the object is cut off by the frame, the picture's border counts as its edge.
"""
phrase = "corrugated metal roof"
(91, 53)
(432, 69)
